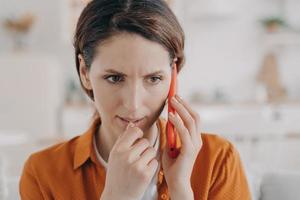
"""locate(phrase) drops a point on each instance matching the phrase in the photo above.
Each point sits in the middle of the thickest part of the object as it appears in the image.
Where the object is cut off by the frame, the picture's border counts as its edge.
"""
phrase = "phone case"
(172, 137)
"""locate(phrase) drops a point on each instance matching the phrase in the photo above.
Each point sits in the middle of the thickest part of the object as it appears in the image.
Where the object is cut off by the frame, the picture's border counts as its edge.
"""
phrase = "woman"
(125, 50)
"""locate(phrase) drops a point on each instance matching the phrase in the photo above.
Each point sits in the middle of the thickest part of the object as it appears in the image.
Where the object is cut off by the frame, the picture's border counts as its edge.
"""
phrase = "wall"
(224, 46)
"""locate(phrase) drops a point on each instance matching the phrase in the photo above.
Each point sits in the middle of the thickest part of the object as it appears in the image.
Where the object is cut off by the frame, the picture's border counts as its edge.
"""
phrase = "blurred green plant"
(272, 24)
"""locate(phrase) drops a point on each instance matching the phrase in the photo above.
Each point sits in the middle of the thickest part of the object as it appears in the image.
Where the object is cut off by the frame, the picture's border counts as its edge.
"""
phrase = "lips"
(131, 120)
(125, 121)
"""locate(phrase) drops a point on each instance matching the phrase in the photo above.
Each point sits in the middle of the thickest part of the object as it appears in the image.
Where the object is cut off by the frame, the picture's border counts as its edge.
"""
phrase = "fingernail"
(131, 125)
(173, 100)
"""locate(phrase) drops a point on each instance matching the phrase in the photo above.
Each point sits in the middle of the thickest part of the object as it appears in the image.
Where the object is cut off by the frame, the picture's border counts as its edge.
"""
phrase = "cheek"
(105, 101)
(158, 97)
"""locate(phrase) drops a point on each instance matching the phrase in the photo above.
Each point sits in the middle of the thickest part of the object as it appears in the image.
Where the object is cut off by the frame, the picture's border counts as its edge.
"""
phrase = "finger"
(194, 114)
(129, 137)
(188, 107)
(196, 135)
(152, 167)
(138, 148)
(146, 157)
(181, 130)
(187, 119)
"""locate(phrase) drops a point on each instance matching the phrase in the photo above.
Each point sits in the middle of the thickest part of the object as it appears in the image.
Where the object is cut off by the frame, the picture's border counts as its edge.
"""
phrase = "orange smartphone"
(172, 138)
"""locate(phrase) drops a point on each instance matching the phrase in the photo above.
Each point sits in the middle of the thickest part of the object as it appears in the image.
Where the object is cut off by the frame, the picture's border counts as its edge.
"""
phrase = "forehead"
(128, 52)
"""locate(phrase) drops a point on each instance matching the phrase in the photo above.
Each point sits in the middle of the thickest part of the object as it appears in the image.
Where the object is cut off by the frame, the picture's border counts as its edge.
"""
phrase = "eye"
(155, 79)
(113, 78)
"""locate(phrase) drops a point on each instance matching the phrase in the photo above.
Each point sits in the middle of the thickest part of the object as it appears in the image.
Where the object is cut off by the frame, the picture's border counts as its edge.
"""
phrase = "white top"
(151, 191)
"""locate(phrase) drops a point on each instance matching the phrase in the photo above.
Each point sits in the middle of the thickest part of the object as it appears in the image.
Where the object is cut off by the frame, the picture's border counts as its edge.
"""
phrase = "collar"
(84, 147)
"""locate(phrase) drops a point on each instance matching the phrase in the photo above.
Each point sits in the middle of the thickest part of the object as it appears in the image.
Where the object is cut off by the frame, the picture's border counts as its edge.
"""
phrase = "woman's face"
(130, 79)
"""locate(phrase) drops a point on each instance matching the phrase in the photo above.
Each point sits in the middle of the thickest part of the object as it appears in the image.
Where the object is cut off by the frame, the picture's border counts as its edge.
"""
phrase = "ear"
(84, 73)
(174, 61)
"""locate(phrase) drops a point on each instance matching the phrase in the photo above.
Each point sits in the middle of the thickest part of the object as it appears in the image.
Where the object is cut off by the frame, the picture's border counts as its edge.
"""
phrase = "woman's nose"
(132, 99)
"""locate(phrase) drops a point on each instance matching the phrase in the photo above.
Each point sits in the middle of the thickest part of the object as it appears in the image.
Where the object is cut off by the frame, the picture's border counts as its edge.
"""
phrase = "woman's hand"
(178, 171)
(131, 166)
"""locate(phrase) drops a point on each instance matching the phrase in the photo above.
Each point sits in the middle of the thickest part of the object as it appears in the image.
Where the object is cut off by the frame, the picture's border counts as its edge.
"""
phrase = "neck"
(105, 140)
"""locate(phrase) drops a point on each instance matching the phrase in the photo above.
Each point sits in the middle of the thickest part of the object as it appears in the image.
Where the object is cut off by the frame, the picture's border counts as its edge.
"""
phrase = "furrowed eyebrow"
(121, 73)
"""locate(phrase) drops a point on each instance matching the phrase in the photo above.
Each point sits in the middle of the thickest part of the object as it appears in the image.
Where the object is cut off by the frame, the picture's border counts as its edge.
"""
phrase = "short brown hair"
(151, 19)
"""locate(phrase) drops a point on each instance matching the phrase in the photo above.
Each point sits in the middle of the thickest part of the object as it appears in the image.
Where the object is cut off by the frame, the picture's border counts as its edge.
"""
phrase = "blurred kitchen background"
(242, 74)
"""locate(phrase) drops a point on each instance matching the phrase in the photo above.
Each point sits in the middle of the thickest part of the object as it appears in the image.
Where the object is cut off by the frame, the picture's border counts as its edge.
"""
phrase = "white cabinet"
(267, 137)
(253, 119)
